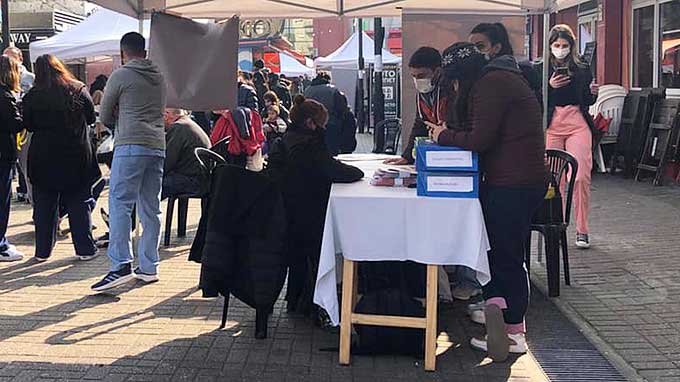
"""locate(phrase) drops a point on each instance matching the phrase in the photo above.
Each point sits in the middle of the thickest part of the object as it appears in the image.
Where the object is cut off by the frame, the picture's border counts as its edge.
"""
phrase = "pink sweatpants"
(570, 132)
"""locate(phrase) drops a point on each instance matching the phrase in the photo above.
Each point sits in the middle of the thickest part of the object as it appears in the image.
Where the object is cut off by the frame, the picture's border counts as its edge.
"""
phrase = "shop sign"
(259, 28)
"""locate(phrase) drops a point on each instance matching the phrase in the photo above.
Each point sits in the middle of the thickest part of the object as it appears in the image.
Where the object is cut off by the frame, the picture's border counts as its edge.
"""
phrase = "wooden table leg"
(431, 318)
(348, 301)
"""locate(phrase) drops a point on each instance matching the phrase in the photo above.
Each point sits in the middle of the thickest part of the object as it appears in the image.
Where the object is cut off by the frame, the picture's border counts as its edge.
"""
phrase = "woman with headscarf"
(498, 117)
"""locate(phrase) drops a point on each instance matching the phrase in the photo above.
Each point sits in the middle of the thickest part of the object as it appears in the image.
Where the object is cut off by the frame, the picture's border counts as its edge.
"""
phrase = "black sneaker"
(114, 279)
(582, 240)
(88, 257)
(102, 241)
(146, 277)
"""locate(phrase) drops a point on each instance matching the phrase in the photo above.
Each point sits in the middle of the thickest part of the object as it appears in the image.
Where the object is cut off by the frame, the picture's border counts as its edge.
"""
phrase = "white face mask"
(423, 85)
(560, 53)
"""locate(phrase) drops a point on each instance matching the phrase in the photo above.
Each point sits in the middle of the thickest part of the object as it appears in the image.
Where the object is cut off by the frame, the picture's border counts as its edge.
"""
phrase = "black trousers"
(508, 212)
(78, 205)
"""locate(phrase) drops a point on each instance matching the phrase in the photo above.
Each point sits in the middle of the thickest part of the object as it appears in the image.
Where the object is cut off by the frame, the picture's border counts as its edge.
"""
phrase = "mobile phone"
(562, 71)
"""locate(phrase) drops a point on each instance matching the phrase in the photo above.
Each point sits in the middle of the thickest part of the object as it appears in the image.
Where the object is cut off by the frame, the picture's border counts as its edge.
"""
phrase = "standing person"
(306, 170)
(281, 90)
(335, 103)
(498, 116)
(424, 67)
(570, 125)
(494, 42)
(62, 164)
(26, 79)
(11, 123)
(260, 78)
(138, 92)
(247, 96)
(271, 99)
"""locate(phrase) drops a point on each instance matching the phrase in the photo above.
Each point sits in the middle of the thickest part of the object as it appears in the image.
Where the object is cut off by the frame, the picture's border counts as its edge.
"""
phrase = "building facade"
(637, 41)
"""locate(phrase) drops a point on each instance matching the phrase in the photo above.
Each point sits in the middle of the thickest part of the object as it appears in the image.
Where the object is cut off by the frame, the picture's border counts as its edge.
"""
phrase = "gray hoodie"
(136, 93)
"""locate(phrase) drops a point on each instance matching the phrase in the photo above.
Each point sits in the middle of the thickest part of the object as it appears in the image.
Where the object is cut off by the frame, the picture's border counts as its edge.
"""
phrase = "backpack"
(386, 340)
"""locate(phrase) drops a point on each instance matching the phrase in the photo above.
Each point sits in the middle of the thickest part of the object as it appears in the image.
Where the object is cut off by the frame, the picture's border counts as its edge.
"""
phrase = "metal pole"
(546, 62)
(378, 95)
(140, 16)
(361, 116)
(5, 25)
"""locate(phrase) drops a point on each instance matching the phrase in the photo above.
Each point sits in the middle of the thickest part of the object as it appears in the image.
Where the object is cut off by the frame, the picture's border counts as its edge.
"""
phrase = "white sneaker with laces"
(518, 343)
(582, 241)
(11, 254)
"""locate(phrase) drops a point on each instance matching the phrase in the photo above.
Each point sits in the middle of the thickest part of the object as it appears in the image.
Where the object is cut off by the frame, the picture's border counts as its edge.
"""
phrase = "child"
(274, 126)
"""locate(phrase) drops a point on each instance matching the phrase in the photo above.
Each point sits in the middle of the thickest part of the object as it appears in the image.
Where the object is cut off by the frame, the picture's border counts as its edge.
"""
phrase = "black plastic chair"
(208, 161)
(386, 136)
(220, 147)
(552, 222)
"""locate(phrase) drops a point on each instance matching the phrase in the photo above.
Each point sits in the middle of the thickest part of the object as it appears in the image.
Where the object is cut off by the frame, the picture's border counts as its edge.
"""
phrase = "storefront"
(655, 44)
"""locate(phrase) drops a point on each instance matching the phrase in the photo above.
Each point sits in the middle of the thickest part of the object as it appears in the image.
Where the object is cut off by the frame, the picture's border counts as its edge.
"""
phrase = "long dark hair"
(497, 34)
(50, 72)
(564, 31)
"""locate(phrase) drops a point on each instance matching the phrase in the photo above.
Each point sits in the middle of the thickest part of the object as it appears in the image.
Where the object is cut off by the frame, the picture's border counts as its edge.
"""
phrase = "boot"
(261, 320)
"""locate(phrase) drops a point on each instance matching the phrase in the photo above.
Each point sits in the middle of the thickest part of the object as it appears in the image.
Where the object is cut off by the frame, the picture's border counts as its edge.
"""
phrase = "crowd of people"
(473, 95)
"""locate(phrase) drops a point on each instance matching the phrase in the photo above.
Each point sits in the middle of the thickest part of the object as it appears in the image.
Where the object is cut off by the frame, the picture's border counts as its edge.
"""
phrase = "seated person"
(182, 171)
(305, 169)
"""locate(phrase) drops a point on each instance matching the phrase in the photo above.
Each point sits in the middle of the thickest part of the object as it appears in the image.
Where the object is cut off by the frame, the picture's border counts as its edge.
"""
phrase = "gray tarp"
(199, 61)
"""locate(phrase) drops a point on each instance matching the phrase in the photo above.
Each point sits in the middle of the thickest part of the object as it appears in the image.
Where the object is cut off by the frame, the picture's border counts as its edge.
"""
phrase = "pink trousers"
(569, 131)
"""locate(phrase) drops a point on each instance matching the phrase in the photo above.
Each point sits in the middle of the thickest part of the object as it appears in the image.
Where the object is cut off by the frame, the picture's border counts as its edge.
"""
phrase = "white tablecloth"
(368, 223)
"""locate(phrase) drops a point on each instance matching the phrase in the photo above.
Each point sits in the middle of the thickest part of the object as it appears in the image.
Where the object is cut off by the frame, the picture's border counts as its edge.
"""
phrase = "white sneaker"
(518, 344)
(464, 294)
(146, 277)
(478, 317)
(11, 254)
(476, 306)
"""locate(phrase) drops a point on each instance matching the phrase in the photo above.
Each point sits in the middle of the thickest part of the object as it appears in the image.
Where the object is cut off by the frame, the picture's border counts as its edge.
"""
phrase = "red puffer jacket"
(245, 130)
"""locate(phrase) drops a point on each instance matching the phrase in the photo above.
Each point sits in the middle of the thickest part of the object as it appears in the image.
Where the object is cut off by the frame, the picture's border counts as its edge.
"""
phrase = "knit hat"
(462, 60)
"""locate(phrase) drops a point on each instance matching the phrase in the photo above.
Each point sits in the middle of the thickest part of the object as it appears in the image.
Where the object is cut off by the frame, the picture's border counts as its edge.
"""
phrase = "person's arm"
(319, 162)
(11, 115)
(418, 130)
(110, 100)
(88, 107)
(489, 101)
(587, 95)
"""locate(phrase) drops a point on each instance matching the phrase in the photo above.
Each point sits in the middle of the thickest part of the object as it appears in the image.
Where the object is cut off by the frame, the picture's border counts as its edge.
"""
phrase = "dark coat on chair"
(240, 240)
(305, 169)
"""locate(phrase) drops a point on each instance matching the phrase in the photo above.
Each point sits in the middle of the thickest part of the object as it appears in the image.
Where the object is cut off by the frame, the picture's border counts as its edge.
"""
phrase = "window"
(670, 45)
(587, 31)
(643, 47)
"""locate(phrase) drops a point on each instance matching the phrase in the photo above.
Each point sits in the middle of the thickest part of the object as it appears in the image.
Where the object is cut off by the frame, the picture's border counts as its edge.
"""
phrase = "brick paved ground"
(626, 289)
(52, 327)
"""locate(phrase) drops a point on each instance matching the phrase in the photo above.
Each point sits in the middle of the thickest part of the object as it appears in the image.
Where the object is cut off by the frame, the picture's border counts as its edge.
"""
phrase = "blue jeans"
(136, 176)
(464, 277)
(5, 201)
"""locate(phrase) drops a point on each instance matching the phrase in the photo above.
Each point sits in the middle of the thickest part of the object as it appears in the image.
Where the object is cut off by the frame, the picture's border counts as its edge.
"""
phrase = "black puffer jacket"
(241, 237)
(10, 124)
(61, 156)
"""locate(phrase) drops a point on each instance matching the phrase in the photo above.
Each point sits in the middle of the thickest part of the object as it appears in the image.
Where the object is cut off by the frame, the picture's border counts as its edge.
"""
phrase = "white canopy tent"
(293, 68)
(97, 35)
(223, 9)
(347, 55)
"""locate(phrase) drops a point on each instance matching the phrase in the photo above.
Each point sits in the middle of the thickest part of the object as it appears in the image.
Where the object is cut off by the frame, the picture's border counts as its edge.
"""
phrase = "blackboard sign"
(589, 56)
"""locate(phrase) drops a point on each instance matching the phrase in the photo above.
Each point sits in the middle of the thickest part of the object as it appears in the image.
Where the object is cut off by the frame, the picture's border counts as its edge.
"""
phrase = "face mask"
(423, 85)
(560, 53)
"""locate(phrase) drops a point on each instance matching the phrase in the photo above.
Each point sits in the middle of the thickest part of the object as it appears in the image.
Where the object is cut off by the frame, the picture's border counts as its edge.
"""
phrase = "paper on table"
(363, 157)
(450, 184)
(448, 158)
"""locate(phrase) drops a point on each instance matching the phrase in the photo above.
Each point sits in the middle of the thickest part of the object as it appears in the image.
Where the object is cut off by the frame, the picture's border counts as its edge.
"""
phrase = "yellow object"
(21, 139)
(550, 193)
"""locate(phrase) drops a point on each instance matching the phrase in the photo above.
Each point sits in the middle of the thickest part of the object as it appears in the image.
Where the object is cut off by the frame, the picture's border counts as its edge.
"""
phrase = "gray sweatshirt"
(133, 103)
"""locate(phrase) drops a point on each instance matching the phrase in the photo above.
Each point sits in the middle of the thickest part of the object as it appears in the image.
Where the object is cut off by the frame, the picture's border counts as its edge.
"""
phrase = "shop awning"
(222, 9)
